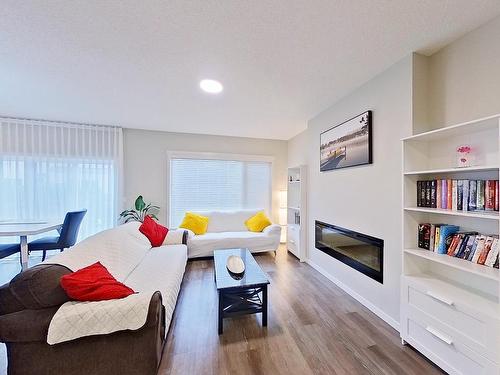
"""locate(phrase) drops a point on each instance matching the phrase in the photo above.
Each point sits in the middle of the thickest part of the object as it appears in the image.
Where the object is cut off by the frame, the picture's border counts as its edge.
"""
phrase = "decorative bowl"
(235, 265)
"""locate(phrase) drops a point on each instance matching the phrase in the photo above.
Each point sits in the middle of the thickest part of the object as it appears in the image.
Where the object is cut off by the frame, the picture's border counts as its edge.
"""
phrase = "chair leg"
(44, 254)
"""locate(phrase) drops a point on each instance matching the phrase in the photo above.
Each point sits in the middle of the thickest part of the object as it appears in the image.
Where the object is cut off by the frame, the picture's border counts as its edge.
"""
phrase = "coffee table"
(239, 296)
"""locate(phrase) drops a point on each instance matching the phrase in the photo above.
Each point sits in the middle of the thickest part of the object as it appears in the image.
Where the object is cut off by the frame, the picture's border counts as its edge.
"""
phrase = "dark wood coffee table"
(240, 296)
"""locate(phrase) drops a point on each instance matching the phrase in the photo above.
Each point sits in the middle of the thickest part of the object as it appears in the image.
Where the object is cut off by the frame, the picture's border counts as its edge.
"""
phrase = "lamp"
(282, 199)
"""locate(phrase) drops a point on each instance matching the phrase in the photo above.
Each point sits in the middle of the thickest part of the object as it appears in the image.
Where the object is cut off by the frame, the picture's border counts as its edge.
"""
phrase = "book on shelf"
(493, 254)
(424, 235)
(459, 195)
(469, 246)
(480, 195)
(496, 195)
(489, 195)
(472, 195)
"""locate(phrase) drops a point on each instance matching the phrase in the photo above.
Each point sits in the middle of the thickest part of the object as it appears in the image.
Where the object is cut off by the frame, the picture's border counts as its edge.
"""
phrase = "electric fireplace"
(359, 251)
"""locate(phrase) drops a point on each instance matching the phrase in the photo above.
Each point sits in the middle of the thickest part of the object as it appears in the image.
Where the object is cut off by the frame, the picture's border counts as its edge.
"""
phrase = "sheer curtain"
(49, 168)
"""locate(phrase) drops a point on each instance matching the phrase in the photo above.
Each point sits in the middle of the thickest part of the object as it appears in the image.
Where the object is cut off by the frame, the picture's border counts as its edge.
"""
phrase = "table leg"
(264, 306)
(221, 312)
(24, 252)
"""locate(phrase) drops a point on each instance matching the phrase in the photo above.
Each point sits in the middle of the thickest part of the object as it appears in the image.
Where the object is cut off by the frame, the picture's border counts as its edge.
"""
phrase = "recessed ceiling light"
(211, 86)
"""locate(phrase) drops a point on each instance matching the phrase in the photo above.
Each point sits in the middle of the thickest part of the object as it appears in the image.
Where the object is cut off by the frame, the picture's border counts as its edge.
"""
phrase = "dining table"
(23, 230)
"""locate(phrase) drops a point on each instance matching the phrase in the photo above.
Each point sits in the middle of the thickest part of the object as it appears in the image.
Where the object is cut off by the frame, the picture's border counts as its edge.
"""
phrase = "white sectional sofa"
(227, 230)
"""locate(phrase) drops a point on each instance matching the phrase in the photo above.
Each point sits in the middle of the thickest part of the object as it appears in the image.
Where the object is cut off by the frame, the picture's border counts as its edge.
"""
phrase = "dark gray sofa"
(27, 305)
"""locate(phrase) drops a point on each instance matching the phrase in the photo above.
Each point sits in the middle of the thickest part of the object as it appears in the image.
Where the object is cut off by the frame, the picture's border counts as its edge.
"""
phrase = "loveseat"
(227, 230)
(32, 298)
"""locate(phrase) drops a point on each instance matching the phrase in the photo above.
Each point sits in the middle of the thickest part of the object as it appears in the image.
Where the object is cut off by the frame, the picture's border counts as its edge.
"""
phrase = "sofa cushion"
(38, 287)
(195, 222)
(258, 222)
(228, 221)
(119, 249)
(155, 232)
(94, 283)
(205, 244)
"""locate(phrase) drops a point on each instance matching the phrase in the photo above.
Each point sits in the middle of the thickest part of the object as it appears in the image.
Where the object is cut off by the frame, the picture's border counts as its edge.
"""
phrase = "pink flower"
(464, 149)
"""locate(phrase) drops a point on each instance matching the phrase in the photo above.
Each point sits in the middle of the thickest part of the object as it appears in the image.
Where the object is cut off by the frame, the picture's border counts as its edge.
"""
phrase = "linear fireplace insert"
(359, 251)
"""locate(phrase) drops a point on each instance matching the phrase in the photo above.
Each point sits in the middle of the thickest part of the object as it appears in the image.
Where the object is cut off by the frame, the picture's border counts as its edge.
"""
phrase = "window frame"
(217, 156)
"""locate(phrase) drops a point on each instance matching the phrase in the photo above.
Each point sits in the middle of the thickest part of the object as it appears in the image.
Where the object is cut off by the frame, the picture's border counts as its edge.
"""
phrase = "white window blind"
(215, 184)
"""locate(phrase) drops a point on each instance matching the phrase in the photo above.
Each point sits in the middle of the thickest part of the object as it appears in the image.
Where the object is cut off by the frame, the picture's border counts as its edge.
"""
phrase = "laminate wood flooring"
(314, 328)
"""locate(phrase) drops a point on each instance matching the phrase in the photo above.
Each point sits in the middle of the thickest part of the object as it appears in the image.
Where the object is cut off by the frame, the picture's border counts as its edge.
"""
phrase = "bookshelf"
(450, 308)
(296, 212)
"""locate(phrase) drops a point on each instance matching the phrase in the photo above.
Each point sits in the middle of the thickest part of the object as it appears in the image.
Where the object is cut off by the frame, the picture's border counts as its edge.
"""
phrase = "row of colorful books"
(459, 195)
(471, 246)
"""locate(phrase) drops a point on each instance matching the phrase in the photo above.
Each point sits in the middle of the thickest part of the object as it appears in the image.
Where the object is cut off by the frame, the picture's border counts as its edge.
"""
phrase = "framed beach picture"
(347, 144)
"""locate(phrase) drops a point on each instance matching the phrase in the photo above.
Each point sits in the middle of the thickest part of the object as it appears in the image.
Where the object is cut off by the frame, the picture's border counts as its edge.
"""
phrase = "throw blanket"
(120, 250)
(79, 319)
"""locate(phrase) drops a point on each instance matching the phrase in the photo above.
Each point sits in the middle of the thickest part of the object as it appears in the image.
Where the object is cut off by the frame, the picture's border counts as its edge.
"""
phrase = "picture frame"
(348, 144)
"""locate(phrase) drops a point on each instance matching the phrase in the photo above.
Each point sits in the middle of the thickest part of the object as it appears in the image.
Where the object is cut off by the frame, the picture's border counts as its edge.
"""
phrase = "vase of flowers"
(464, 156)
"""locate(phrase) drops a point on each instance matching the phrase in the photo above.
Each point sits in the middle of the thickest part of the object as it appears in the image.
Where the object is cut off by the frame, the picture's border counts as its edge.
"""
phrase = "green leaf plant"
(140, 211)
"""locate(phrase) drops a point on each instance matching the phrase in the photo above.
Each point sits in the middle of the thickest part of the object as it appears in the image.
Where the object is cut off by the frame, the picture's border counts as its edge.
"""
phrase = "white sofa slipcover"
(129, 257)
(227, 230)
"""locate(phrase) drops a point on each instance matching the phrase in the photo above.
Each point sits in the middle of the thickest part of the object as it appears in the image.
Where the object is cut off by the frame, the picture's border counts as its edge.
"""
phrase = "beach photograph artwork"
(347, 144)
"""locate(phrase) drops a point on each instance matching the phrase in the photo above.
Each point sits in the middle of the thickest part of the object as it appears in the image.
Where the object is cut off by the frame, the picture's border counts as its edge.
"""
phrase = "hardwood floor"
(314, 328)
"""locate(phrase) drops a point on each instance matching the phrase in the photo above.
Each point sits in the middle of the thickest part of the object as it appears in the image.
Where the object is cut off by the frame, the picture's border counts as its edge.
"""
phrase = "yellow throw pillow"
(194, 222)
(258, 222)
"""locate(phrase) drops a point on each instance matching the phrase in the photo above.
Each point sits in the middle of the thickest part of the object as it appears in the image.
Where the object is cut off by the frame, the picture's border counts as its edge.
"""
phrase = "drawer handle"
(439, 335)
(449, 302)
(292, 241)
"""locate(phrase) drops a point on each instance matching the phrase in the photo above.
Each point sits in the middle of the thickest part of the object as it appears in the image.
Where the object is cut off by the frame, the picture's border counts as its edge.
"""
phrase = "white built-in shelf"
(492, 215)
(484, 168)
(482, 124)
(463, 287)
(457, 263)
(296, 212)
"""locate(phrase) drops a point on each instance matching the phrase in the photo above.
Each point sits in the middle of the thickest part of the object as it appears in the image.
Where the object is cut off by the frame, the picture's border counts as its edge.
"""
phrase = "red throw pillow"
(93, 283)
(155, 232)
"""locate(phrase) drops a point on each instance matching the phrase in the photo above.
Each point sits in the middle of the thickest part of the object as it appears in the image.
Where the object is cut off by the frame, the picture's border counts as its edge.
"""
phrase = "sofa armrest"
(26, 325)
(272, 230)
(8, 301)
(155, 312)
(33, 325)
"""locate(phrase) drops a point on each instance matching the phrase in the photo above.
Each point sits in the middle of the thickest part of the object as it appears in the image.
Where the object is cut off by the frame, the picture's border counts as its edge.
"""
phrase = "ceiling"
(137, 63)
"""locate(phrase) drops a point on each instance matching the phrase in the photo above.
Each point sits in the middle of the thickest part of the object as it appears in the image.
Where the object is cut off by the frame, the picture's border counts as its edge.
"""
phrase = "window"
(48, 169)
(205, 182)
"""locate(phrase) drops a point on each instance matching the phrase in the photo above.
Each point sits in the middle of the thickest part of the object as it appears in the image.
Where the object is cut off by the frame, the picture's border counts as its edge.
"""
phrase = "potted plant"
(140, 211)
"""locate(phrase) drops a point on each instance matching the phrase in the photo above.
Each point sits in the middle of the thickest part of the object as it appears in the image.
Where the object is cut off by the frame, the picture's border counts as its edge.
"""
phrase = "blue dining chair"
(9, 249)
(67, 235)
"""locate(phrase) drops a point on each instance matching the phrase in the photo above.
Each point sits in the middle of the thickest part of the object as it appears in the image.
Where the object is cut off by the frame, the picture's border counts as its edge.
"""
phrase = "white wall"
(366, 199)
(145, 161)
(464, 77)
(297, 149)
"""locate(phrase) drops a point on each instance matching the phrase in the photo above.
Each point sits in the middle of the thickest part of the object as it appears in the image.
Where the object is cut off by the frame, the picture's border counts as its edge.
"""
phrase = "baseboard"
(382, 315)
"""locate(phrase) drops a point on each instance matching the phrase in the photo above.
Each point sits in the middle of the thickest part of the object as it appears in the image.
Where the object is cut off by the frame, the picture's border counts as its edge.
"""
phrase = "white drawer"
(293, 233)
(471, 327)
(292, 247)
(443, 349)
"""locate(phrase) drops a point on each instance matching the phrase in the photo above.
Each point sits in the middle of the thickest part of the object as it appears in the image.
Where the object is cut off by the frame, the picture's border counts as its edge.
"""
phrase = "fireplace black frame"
(368, 271)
